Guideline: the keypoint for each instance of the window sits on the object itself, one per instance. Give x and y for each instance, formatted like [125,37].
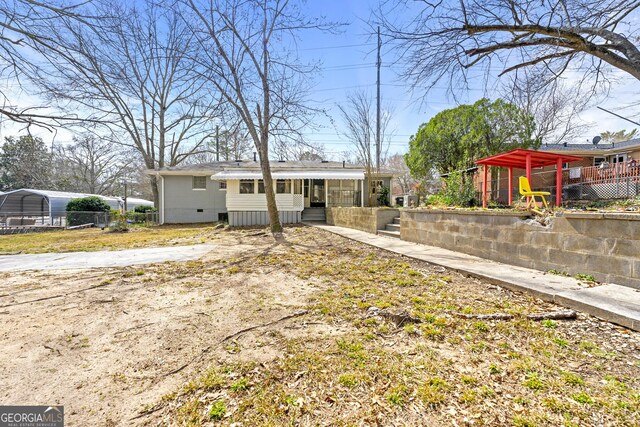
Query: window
[598,160]
[375,185]
[247,186]
[297,187]
[283,186]
[261,186]
[199,183]
[223,185]
[306,188]
[618,158]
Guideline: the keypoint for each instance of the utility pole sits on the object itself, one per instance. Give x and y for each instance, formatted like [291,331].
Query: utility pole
[378,148]
[217,143]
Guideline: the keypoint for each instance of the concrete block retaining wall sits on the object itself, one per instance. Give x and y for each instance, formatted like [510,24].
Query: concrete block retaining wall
[363,219]
[605,245]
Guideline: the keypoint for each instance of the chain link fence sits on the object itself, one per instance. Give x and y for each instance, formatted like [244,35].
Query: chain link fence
[45,220]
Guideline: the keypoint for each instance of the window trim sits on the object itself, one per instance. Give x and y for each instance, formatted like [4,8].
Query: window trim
[247,181]
[284,182]
[222,185]
[193,182]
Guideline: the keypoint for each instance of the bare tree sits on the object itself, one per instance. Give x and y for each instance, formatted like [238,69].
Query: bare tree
[26,42]
[444,40]
[248,46]
[554,106]
[231,144]
[359,121]
[299,150]
[403,179]
[140,78]
[89,165]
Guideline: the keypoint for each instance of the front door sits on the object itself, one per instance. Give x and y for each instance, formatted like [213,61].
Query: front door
[317,193]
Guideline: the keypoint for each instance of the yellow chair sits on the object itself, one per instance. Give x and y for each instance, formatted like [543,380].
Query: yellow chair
[525,190]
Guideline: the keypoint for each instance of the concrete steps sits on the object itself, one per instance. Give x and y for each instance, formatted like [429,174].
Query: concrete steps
[392,229]
[314,214]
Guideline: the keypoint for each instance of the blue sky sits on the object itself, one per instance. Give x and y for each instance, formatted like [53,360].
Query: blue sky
[348,64]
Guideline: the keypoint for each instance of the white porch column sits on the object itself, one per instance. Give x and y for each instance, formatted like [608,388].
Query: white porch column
[326,193]
[362,193]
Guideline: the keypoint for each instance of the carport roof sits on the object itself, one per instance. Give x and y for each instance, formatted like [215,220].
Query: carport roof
[518,159]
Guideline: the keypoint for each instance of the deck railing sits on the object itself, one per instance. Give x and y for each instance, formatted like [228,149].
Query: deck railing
[604,175]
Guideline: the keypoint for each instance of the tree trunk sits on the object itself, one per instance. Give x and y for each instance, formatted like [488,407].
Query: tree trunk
[272,207]
[156,192]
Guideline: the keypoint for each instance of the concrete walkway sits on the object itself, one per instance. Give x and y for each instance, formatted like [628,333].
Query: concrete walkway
[615,303]
[81,260]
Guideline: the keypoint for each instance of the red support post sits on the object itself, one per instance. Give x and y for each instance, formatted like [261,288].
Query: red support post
[510,186]
[558,182]
[528,172]
[484,187]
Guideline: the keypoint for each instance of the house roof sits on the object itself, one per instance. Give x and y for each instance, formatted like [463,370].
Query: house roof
[300,174]
[592,148]
[306,167]
[518,159]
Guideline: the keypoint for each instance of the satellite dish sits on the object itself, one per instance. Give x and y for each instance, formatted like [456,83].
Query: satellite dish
[596,139]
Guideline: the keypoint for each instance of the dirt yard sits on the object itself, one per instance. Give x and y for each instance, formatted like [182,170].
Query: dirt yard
[266,333]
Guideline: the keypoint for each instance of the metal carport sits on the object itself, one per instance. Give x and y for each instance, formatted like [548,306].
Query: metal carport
[43,203]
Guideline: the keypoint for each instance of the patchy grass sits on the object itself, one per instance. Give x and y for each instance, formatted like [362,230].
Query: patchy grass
[94,239]
[445,370]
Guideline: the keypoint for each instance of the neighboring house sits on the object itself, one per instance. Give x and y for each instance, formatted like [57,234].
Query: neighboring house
[606,171]
[235,191]
[596,154]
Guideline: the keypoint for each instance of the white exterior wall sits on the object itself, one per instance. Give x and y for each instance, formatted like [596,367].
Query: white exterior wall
[258,202]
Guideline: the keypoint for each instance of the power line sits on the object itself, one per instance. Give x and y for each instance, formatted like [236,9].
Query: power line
[338,46]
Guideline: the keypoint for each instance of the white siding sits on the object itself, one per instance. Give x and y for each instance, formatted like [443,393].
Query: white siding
[258,202]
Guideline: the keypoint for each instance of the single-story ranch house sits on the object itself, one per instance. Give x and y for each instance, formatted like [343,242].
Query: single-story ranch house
[234,190]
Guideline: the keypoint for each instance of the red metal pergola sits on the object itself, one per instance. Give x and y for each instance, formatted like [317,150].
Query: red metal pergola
[525,159]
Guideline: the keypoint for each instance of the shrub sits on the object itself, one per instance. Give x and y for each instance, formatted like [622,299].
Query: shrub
[88,204]
[144,209]
[459,190]
[78,210]
[383,196]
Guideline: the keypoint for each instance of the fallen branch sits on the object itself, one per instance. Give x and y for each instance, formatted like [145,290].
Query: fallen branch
[147,412]
[56,296]
[251,328]
[175,371]
[492,316]
[133,328]
[104,301]
[53,349]
[556,315]
[400,319]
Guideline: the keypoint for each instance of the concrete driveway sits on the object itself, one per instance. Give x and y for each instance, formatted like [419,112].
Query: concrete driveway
[121,258]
